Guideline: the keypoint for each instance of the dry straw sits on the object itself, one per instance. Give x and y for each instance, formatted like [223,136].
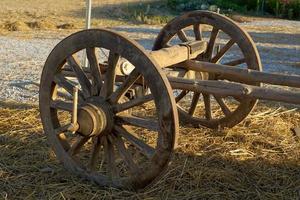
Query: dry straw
[258,159]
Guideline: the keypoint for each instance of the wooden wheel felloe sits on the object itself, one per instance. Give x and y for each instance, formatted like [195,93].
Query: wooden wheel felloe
[194,26]
[108,145]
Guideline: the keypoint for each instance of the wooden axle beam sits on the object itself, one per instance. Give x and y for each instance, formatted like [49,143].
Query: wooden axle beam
[239,90]
[164,57]
[178,53]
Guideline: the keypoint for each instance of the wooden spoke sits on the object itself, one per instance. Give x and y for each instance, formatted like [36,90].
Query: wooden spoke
[125,154]
[67,71]
[67,96]
[222,52]
[95,70]
[81,76]
[182,36]
[223,106]
[197,31]
[110,157]
[105,54]
[194,103]
[211,43]
[236,62]
[132,103]
[206,98]
[129,81]
[62,129]
[145,149]
[149,124]
[77,145]
[109,80]
[167,45]
[63,82]
[181,95]
[95,153]
[60,80]
[61,105]
[63,140]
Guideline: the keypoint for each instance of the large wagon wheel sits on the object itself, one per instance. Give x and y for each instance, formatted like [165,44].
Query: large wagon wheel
[109,146]
[244,54]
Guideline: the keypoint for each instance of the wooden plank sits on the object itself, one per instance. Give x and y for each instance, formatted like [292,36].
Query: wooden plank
[244,75]
[225,88]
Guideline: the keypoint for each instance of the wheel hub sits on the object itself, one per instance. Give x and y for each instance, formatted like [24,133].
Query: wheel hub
[95,118]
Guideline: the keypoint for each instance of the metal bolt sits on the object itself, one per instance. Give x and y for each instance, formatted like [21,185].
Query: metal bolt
[246,91]
[74,125]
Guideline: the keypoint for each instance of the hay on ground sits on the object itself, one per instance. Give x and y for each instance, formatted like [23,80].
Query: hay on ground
[258,159]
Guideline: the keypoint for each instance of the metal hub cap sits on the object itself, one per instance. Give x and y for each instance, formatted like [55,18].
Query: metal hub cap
[95,119]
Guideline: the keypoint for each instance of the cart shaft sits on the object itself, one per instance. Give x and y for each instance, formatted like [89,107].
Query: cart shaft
[238,90]
[244,75]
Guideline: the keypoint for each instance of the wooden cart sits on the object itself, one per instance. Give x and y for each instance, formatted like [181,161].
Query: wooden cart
[116,122]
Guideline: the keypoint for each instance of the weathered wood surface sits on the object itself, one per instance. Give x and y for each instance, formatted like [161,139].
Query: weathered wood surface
[224,88]
[243,75]
[176,54]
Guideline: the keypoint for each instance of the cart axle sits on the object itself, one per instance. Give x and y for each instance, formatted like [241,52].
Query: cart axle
[95,118]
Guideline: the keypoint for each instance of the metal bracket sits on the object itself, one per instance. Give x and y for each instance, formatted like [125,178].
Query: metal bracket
[74,126]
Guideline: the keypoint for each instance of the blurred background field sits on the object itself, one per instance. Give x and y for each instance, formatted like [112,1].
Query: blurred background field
[18,15]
